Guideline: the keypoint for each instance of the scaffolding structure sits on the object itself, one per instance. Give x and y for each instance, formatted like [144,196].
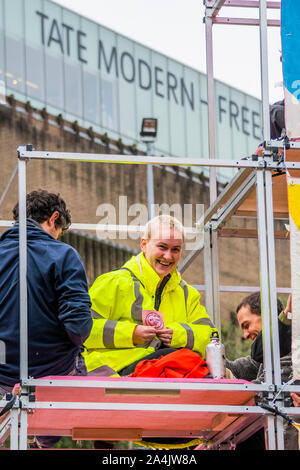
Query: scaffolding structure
[255,174]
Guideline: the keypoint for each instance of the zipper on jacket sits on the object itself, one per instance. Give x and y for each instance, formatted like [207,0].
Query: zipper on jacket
[159,291]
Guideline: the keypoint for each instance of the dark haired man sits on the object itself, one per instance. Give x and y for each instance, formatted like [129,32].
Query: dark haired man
[59,316]
[48,209]
[250,321]
[251,367]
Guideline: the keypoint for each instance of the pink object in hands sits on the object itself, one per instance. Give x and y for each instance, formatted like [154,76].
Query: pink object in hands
[153,318]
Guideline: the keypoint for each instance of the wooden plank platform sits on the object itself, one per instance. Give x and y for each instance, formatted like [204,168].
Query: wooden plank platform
[127,423]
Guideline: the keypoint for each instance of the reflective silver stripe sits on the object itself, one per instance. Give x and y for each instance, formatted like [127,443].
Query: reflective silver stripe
[204,321]
[185,290]
[155,343]
[137,306]
[138,260]
[102,371]
[109,333]
[96,314]
[190,336]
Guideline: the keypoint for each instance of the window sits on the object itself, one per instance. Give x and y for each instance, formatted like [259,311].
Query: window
[177,103]
[14,46]
[160,102]
[109,72]
[91,92]
[15,65]
[192,118]
[35,73]
[143,87]
[73,89]
[34,52]
[54,81]
[91,79]
[127,84]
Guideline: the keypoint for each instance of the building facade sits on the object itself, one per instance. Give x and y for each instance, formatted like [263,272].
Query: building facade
[81,70]
[66,82]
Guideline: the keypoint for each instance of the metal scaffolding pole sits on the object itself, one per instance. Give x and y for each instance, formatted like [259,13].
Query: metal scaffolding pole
[150,184]
[26,155]
[22,443]
[264,204]
[23,270]
[264,68]
[212,299]
[265,310]
[14,429]
[269,305]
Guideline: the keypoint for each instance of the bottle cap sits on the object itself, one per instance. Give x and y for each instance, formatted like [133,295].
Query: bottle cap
[214,335]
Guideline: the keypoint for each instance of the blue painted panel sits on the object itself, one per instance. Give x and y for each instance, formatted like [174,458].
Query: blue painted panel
[290,36]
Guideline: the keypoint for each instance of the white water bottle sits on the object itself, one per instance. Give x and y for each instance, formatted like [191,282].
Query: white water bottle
[215,357]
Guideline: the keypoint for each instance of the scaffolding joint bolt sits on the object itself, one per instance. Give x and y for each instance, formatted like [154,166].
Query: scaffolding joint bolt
[262,163]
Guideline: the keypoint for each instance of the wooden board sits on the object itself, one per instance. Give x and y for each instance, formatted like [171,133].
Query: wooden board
[124,424]
[280,200]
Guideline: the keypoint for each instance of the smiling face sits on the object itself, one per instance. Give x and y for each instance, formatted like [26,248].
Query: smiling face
[251,323]
[163,249]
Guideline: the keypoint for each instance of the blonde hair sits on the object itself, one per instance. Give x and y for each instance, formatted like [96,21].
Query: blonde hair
[163,220]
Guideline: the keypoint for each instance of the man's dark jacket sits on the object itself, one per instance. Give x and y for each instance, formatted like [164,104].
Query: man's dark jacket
[59,318]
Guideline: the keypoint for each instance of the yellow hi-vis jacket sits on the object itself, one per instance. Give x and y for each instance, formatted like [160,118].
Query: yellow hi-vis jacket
[118,298]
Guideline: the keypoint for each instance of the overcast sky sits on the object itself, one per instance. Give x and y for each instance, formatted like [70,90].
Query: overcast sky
[175,28]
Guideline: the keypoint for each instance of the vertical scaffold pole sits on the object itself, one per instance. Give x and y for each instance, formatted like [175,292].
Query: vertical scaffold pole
[23,293]
[264,275]
[211,251]
[273,299]
[23,270]
[14,425]
[211,270]
[264,283]
[270,303]
[211,105]
[263,25]
[150,184]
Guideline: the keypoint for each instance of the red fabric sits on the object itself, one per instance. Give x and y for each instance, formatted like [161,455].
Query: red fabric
[183,363]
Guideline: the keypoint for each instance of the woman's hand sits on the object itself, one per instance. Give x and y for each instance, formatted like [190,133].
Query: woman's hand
[143,334]
[165,336]
[296,399]
[288,308]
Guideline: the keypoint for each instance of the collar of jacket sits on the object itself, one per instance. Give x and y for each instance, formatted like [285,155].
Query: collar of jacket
[146,274]
[33,229]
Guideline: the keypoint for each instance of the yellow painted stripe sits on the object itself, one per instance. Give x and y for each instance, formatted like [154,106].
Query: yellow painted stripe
[294,200]
[297,426]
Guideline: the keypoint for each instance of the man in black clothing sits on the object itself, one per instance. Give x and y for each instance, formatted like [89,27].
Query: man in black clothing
[59,316]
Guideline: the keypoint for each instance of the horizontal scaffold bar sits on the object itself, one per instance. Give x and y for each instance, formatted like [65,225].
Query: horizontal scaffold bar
[214,6]
[244,21]
[152,160]
[146,385]
[149,407]
[193,408]
[250,4]
[103,228]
